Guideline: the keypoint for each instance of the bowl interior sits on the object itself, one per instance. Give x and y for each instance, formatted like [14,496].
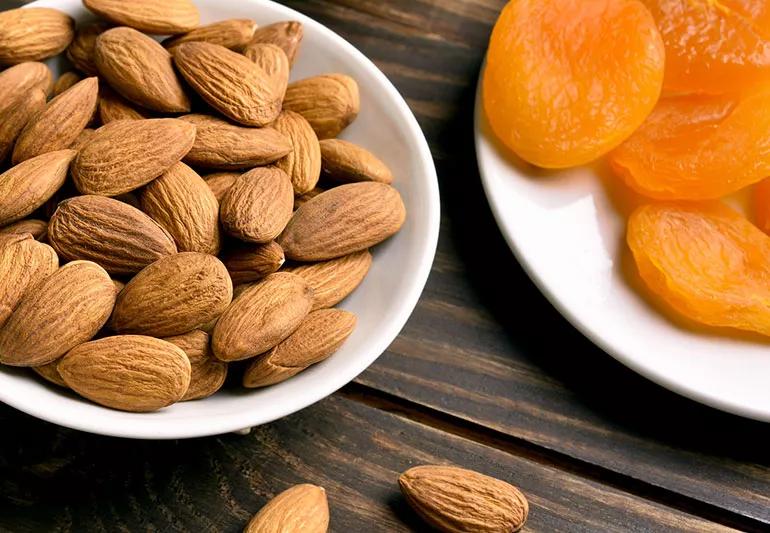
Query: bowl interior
[382,303]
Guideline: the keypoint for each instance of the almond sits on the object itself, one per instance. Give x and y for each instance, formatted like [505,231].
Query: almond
[258,205]
[232,33]
[208,372]
[21,79]
[317,337]
[286,35]
[333,280]
[128,372]
[149,16]
[114,107]
[273,61]
[23,264]
[119,237]
[65,81]
[221,144]
[181,202]
[80,52]
[37,228]
[303,163]
[15,114]
[220,183]
[30,184]
[50,373]
[343,220]
[57,314]
[140,69]
[229,82]
[345,162]
[252,262]
[126,154]
[33,34]
[81,140]
[329,102]
[261,317]
[301,200]
[174,295]
[457,500]
[60,123]
[119,286]
[299,509]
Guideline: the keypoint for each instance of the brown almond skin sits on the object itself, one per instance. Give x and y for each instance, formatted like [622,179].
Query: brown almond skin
[80,52]
[228,82]
[329,102]
[37,228]
[345,162]
[332,281]
[299,509]
[223,145]
[114,107]
[33,34]
[181,202]
[208,372]
[343,220]
[126,154]
[317,337]
[149,16]
[258,205]
[174,295]
[253,262]
[231,33]
[50,373]
[15,114]
[140,69]
[261,317]
[128,372]
[301,200]
[60,123]
[287,35]
[64,310]
[81,140]
[20,79]
[65,81]
[220,183]
[303,163]
[120,238]
[457,500]
[23,264]
[273,61]
[28,185]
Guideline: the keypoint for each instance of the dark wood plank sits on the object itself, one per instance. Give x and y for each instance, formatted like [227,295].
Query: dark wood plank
[483,344]
[61,480]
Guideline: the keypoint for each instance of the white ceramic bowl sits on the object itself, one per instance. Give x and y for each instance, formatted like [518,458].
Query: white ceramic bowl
[382,303]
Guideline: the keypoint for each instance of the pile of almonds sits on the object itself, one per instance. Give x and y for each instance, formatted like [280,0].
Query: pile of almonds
[153,194]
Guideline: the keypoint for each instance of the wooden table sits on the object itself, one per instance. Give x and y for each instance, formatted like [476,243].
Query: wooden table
[486,375]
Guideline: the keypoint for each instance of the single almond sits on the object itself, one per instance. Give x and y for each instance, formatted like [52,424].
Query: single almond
[345,162]
[303,163]
[140,69]
[128,372]
[174,295]
[111,233]
[114,107]
[273,61]
[229,82]
[329,102]
[50,373]
[287,35]
[80,141]
[126,154]
[343,220]
[60,123]
[21,79]
[150,16]
[231,33]
[299,509]
[220,183]
[30,184]
[80,52]
[224,145]
[252,262]
[23,264]
[33,34]
[181,202]
[317,337]
[455,499]
[15,114]
[301,200]
[37,228]
[262,316]
[55,315]
[332,281]
[258,205]
[208,372]
[65,81]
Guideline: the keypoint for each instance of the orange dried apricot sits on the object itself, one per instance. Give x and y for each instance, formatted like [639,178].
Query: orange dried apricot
[706,261]
[713,46]
[568,80]
[760,201]
[698,147]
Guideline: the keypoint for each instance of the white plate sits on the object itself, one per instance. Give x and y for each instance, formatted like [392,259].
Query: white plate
[568,232]
[382,303]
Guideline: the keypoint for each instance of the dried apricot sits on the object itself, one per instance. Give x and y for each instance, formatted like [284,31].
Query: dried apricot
[761,205]
[698,147]
[568,80]
[706,261]
[713,46]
